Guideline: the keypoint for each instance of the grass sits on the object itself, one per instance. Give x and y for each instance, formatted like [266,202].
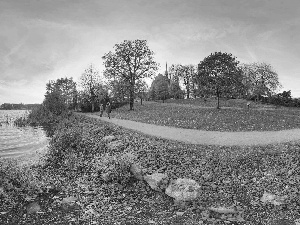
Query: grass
[228,176]
[193,116]
[224,102]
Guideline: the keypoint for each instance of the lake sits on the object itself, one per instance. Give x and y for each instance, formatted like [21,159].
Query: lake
[19,141]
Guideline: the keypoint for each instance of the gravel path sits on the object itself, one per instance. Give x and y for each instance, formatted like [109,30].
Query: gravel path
[207,137]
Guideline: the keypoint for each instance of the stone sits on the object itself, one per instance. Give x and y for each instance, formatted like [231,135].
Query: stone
[69,200]
[137,171]
[108,138]
[183,189]
[273,199]
[154,180]
[69,203]
[33,207]
[115,145]
[107,177]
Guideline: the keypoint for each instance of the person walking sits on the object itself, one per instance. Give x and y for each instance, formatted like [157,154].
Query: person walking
[108,109]
[101,110]
[248,105]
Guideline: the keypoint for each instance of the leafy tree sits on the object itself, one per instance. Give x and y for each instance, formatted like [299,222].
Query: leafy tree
[175,90]
[130,61]
[119,89]
[65,88]
[187,74]
[160,87]
[219,73]
[54,103]
[259,79]
[141,89]
[60,96]
[91,84]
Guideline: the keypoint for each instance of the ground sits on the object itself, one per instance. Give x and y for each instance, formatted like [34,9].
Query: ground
[236,175]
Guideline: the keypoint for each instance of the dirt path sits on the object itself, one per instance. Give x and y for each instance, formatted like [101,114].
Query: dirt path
[207,137]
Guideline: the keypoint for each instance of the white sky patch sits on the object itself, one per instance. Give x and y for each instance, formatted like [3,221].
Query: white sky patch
[43,40]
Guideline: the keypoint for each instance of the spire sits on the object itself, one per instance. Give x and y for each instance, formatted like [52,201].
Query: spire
[166,72]
[166,67]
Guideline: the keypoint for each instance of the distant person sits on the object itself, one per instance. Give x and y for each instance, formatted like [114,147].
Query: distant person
[101,110]
[248,105]
[108,109]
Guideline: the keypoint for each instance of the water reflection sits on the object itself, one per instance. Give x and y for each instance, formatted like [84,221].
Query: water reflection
[16,141]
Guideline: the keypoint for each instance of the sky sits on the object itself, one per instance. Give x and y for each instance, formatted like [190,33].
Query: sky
[42,40]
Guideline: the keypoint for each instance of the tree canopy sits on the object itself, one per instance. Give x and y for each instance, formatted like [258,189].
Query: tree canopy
[91,84]
[260,79]
[160,88]
[219,74]
[130,61]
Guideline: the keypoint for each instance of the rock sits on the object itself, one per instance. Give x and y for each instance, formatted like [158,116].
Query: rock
[154,180]
[183,189]
[68,203]
[223,210]
[106,176]
[115,145]
[179,213]
[137,171]
[33,207]
[273,199]
[108,138]
[69,200]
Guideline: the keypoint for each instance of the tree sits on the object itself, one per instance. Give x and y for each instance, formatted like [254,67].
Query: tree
[141,89]
[66,88]
[131,61]
[160,87]
[259,79]
[174,88]
[118,89]
[90,82]
[219,73]
[64,91]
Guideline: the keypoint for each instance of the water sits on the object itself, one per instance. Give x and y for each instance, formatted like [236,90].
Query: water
[19,141]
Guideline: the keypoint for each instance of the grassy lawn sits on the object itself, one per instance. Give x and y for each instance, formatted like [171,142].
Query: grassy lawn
[228,176]
[212,102]
[226,119]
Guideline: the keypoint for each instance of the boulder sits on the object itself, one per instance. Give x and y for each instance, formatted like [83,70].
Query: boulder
[106,176]
[154,180]
[115,145]
[183,189]
[69,203]
[33,207]
[137,171]
[273,199]
[108,138]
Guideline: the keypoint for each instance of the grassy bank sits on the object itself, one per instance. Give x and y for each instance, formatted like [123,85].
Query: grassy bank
[70,171]
[226,119]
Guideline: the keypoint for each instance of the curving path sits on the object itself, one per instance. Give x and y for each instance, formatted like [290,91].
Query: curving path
[192,136]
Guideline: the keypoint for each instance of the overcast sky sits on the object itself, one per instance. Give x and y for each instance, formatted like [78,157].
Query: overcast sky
[41,40]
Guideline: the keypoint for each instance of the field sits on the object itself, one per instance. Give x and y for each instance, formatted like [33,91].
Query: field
[197,114]
[229,176]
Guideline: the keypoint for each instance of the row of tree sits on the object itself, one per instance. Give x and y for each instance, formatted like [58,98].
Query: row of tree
[219,75]
[21,106]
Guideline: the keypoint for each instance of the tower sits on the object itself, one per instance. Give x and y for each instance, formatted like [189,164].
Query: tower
[166,72]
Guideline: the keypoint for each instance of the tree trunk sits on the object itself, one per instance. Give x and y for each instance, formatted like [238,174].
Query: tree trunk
[187,93]
[93,106]
[141,101]
[218,96]
[131,96]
